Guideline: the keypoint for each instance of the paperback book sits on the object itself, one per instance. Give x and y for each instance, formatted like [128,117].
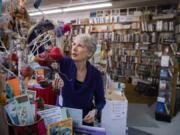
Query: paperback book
[61,127]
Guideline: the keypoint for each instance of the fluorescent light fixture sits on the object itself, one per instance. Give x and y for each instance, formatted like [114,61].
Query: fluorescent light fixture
[52,11]
[85,7]
[35,13]
[75,8]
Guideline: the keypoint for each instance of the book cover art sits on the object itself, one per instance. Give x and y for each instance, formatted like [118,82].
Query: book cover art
[61,128]
[24,110]
[31,95]
[165,61]
[11,110]
[52,115]
[164,73]
[163,85]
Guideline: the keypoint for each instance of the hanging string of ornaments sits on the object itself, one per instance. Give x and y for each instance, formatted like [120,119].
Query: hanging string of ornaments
[23,44]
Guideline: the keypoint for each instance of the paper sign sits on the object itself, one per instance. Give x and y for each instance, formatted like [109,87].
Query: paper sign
[116,110]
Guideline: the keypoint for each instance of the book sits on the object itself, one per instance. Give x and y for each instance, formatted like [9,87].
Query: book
[165,61]
[64,127]
[31,95]
[52,115]
[162,84]
[76,115]
[164,73]
[11,110]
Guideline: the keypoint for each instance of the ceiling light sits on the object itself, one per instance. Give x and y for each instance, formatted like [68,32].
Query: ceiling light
[35,13]
[52,11]
[86,7]
[75,8]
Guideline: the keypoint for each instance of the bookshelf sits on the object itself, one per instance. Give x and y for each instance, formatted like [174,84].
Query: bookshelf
[137,39]
[135,36]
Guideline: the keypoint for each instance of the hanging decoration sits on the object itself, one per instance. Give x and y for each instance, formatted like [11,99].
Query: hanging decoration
[37,3]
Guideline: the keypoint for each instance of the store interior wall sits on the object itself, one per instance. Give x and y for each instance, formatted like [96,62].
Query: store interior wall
[68,16]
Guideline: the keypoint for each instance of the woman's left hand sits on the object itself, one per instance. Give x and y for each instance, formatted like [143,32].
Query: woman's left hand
[89,118]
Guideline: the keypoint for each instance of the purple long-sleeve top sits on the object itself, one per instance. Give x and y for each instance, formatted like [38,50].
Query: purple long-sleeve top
[87,95]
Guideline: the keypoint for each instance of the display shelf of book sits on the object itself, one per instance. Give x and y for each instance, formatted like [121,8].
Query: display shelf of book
[167,89]
[140,33]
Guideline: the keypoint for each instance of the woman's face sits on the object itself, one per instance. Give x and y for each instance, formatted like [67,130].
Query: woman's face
[79,51]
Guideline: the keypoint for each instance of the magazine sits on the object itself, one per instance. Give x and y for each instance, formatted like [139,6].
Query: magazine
[61,128]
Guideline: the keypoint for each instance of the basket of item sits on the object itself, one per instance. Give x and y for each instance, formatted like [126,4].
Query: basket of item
[36,128]
[21,118]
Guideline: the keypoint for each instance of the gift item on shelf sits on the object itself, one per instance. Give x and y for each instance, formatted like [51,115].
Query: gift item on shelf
[21,117]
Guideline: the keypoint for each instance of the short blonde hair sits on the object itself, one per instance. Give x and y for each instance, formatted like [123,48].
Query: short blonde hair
[87,40]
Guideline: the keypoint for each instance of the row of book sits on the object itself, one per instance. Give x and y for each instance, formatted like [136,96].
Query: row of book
[158,26]
[166,38]
[106,19]
[165,26]
[136,37]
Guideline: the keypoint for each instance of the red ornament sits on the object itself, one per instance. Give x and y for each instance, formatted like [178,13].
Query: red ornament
[13,57]
[55,53]
[66,28]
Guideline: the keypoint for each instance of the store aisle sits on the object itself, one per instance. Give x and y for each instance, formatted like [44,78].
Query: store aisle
[141,117]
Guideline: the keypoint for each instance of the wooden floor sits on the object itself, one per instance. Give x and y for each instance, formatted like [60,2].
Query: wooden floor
[134,97]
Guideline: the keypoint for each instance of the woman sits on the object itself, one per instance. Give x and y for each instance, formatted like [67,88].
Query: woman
[83,85]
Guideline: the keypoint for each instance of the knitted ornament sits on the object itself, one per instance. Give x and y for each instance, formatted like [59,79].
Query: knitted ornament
[66,28]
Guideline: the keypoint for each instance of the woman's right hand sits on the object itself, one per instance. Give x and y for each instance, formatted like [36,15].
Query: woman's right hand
[57,83]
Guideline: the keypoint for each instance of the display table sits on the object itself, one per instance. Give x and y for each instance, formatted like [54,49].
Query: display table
[47,94]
